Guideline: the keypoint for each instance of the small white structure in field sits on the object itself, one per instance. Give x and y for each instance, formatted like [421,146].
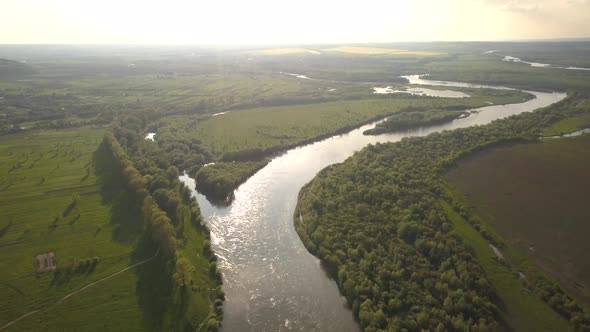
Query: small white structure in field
[46,262]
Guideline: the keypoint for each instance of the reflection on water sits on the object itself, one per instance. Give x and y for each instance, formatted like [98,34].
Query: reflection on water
[422,92]
[420,80]
[508,58]
[297,75]
[270,280]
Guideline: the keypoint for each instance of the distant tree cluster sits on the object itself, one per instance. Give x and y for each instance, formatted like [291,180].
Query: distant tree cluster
[75,267]
[413,117]
[376,223]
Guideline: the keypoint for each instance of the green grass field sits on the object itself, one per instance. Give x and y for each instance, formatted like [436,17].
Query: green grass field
[41,174]
[534,195]
[568,125]
[41,171]
[262,128]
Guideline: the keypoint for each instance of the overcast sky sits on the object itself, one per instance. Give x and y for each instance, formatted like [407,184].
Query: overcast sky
[287,22]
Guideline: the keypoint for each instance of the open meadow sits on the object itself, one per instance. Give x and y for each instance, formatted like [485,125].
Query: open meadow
[51,202]
[60,194]
[283,126]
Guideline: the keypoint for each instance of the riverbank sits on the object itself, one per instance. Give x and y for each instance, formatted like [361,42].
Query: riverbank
[375,210]
[219,188]
[268,273]
[261,132]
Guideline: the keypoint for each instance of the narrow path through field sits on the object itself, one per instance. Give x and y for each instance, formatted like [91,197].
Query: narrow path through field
[9,243]
[79,290]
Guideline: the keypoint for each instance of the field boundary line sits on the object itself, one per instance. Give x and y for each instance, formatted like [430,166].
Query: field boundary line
[79,290]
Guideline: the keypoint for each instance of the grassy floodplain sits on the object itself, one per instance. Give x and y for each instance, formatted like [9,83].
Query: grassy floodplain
[85,99]
[534,195]
[55,198]
[271,127]
[568,125]
[41,173]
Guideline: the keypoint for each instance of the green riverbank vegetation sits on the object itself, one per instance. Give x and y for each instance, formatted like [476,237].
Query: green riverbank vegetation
[219,180]
[385,225]
[173,224]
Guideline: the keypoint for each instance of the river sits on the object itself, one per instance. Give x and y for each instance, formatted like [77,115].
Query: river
[271,282]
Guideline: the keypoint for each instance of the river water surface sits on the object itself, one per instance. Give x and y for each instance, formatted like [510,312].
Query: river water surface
[271,282]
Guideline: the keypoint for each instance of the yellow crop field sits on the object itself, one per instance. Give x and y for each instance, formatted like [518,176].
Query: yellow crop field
[379,51]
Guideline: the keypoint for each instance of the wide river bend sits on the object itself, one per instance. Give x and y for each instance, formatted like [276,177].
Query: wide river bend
[271,282]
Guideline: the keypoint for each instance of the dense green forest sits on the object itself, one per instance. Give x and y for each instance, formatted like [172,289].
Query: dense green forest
[378,224]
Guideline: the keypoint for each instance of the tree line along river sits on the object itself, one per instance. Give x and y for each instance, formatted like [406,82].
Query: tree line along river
[271,282]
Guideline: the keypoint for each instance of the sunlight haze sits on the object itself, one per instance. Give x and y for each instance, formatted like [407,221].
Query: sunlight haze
[287,22]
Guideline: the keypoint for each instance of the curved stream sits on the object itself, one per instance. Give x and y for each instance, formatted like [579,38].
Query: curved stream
[270,280]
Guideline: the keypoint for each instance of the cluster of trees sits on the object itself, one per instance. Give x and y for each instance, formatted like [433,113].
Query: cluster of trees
[79,266]
[376,223]
[153,157]
[561,302]
[150,171]
[414,117]
[219,180]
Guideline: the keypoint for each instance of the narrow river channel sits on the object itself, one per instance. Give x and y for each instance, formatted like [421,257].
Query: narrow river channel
[270,280]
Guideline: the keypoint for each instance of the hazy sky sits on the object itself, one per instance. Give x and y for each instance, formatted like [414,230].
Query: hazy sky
[284,22]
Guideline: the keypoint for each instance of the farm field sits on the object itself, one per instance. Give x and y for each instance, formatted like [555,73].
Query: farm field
[379,51]
[534,196]
[521,310]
